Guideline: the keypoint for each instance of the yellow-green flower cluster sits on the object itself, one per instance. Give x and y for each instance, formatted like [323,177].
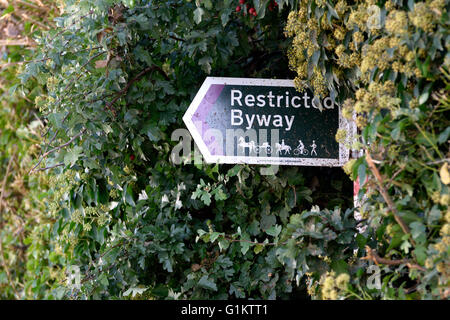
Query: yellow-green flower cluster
[329,291]
[64,183]
[341,7]
[358,18]
[102,219]
[91,211]
[348,167]
[114,194]
[77,216]
[304,30]
[376,55]
[339,33]
[318,82]
[87,227]
[333,287]
[97,214]
[438,6]
[423,17]
[389,5]
[339,50]
[52,82]
[321,3]
[397,22]
[341,135]
[377,96]
[342,281]
[358,37]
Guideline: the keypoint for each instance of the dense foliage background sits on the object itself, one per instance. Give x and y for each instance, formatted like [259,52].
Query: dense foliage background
[115,78]
[390,66]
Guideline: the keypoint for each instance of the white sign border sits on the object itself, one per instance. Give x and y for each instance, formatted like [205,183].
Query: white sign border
[187,119]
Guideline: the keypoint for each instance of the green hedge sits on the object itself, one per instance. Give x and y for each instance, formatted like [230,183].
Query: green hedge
[119,76]
[388,63]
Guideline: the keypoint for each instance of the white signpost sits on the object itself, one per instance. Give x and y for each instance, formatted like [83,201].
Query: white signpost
[264,121]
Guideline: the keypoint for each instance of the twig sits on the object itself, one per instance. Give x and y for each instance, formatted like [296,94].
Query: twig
[67,115]
[72,24]
[176,38]
[25,16]
[425,135]
[83,66]
[18,42]
[109,105]
[373,256]
[391,180]
[50,167]
[9,64]
[58,148]
[385,195]
[439,161]
[31,5]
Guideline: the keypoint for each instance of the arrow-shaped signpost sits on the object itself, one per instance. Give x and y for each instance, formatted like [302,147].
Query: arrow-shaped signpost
[264,121]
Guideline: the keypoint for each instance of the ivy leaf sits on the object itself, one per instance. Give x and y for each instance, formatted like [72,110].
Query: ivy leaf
[421,254]
[128,196]
[362,174]
[424,97]
[207,284]
[332,11]
[72,156]
[245,246]
[418,230]
[225,17]
[198,13]
[205,63]
[206,198]
[339,266]
[134,291]
[444,136]
[405,246]
[361,241]
[274,231]
[258,248]
[223,244]
[208,4]
[152,131]
[214,236]
[234,171]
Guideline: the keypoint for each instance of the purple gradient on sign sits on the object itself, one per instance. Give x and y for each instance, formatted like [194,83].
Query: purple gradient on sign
[200,115]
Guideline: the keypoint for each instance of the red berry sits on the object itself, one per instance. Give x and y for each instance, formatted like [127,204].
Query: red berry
[241,1]
[238,8]
[248,6]
[254,13]
[275,4]
[251,10]
[132,157]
